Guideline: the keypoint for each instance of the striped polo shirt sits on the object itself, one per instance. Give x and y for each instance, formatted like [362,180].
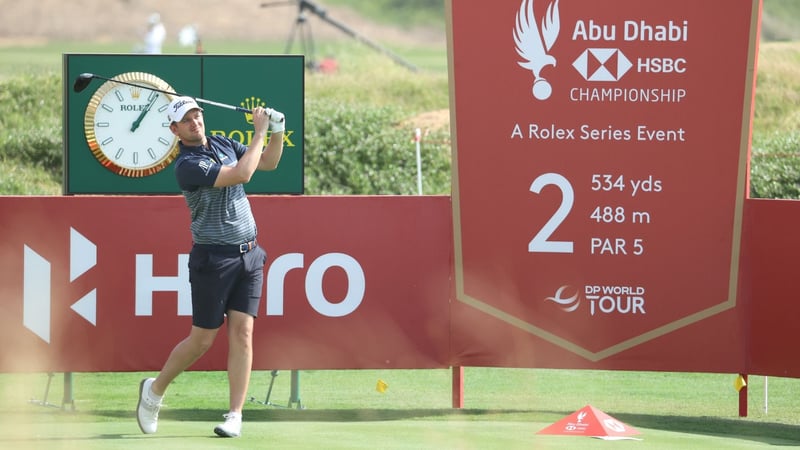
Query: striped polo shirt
[220,216]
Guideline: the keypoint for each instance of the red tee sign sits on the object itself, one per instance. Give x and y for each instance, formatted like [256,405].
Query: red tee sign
[601,162]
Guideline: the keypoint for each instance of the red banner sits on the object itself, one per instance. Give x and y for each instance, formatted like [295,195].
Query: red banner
[101,283]
[769,272]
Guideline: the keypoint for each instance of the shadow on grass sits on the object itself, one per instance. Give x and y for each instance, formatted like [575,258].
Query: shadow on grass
[55,440]
[281,414]
[765,432]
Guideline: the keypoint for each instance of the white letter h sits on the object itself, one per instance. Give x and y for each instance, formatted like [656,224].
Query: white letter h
[147,283]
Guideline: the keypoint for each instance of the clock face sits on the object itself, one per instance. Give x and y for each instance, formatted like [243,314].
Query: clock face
[127,128]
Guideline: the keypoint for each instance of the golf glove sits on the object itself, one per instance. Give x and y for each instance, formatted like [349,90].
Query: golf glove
[277,122]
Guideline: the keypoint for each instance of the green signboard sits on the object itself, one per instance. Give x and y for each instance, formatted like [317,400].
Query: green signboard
[117,141]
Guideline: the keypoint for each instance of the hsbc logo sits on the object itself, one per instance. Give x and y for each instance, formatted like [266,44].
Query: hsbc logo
[37,289]
[602,64]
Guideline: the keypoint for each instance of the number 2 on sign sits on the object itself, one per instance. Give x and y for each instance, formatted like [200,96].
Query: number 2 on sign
[541,243]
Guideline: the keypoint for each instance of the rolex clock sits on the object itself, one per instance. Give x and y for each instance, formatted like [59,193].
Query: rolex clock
[126,126]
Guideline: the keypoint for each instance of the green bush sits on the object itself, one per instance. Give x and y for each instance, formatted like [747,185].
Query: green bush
[775,166]
[359,149]
[30,121]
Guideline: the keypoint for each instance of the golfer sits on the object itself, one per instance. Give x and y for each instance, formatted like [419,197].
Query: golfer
[226,264]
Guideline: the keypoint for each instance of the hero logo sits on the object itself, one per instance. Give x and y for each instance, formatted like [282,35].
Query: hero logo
[603,299]
[37,292]
[147,283]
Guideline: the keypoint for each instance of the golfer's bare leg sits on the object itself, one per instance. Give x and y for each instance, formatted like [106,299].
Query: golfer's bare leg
[240,357]
[184,355]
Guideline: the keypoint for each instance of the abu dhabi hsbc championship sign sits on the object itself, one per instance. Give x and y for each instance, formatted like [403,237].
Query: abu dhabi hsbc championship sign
[600,155]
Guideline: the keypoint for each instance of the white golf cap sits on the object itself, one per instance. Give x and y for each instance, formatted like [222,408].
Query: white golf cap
[179,107]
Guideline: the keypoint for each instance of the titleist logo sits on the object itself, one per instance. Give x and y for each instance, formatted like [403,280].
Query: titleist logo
[180,104]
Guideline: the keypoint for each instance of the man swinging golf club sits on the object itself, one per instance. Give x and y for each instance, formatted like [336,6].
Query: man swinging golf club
[226,264]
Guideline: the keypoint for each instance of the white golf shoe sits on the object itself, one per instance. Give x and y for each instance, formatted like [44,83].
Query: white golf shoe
[232,426]
[147,409]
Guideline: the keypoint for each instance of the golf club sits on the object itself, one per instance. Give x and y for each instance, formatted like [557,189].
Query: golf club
[84,79]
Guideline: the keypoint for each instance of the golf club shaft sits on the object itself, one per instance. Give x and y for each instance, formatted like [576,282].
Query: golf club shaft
[199,100]
[223,105]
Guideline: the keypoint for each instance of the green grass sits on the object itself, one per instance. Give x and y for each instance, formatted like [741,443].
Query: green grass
[403,13]
[504,408]
[778,88]
[780,20]
[45,58]
[23,179]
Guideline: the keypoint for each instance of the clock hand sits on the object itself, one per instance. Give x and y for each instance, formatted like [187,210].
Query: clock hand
[144,112]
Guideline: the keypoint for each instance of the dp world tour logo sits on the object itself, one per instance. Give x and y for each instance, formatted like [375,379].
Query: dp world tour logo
[568,304]
[606,299]
[534,42]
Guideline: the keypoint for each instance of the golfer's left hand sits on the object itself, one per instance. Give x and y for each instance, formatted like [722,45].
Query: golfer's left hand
[277,121]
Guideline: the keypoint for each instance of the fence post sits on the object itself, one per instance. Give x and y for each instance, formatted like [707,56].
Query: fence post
[458,387]
[743,398]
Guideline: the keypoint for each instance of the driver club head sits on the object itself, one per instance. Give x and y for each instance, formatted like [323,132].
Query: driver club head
[82,81]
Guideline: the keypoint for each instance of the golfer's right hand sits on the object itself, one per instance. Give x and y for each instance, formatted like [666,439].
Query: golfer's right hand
[260,119]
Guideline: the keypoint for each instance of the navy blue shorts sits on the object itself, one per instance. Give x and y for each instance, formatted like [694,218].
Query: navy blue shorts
[223,281]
